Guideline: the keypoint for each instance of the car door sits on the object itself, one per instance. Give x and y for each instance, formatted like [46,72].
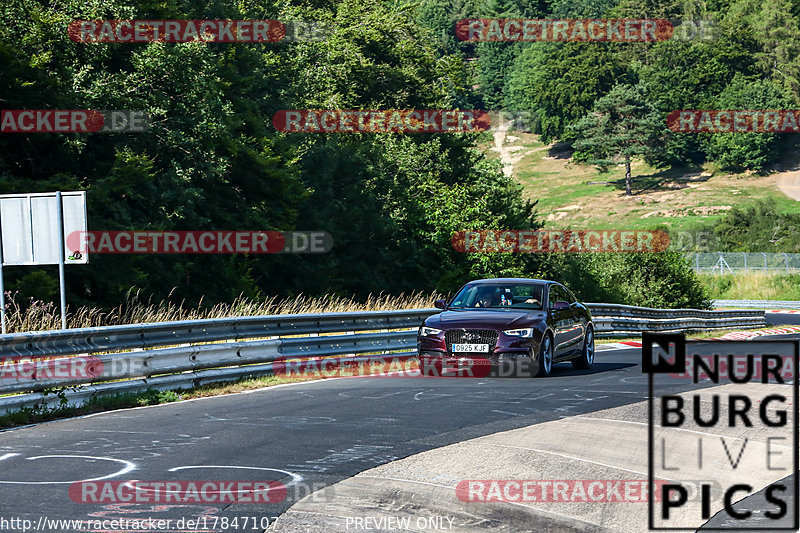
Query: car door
[562,320]
[579,323]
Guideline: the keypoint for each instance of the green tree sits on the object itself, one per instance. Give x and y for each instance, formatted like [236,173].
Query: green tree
[777,30]
[662,280]
[748,151]
[559,82]
[211,159]
[761,227]
[623,125]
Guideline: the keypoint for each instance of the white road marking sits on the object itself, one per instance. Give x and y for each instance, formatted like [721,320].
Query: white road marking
[296,478]
[346,395]
[128,467]
[435,395]
[120,431]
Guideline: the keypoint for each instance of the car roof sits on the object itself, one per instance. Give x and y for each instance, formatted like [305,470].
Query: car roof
[512,280]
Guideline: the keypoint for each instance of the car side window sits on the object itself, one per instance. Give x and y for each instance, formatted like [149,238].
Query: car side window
[557,294]
[528,296]
[570,297]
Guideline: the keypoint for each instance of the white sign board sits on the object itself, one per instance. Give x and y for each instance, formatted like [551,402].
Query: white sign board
[30,228]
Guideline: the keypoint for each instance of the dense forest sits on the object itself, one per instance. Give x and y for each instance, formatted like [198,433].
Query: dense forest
[212,159]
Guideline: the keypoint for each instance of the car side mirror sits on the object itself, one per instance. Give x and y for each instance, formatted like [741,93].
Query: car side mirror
[559,305]
[440,304]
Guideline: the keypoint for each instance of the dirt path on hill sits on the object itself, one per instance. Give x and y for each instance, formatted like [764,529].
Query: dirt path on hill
[509,154]
[789,183]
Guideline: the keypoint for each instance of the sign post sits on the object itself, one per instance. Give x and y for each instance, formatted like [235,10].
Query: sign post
[61,283]
[33,231]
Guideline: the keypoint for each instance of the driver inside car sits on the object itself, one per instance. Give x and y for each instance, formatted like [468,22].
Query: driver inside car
[485,298]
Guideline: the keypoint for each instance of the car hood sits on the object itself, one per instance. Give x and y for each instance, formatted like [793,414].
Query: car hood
[498,319]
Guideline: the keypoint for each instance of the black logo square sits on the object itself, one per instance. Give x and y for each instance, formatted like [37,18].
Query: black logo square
[663,340]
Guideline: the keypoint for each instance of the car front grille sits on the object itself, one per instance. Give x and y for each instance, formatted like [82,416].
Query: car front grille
[470,336]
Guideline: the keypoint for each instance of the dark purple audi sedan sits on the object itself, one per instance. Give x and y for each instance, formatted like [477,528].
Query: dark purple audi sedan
[523,324]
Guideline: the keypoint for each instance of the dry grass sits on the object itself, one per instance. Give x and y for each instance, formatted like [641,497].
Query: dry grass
[40,316]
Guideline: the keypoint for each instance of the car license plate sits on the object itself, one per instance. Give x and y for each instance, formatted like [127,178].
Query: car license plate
[470,348]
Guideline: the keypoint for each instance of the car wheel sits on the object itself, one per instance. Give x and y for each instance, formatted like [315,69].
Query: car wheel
[545,358]
[587,355]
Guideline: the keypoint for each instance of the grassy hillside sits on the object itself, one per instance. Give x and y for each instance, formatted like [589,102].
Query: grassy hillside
[568,198]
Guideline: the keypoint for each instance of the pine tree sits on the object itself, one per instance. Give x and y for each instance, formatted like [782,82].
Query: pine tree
[623,125]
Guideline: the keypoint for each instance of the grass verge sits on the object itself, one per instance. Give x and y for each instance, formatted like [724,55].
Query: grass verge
[752,286]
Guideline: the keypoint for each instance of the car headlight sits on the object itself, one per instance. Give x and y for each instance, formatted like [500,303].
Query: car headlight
[525,333]
[425,331]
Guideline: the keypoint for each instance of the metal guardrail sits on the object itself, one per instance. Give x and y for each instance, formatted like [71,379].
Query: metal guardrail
[618,310]
[758,304]
[615,320]
[132,336]
[185,354]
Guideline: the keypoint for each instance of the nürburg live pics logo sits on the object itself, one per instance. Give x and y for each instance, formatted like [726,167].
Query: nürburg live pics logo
[725,413]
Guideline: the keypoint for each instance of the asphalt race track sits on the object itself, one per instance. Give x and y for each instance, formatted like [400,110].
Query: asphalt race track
[782,318]
[305,435]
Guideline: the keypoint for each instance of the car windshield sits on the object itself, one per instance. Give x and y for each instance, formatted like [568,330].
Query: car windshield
[500,296]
